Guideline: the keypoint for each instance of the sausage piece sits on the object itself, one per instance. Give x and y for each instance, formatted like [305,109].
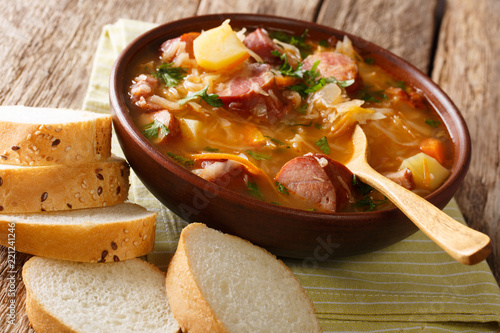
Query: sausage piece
[336,65]
[170,47]
[253,91]
[166,118]
[319,180]
[260,42]
[402,177]
[225,173]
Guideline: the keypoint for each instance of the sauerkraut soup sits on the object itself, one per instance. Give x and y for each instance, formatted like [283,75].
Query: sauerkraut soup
[271,115]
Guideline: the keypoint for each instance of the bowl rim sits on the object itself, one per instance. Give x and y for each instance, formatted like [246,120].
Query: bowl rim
[120,112]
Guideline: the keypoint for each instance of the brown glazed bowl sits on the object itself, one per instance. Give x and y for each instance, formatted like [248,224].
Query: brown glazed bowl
[283,231]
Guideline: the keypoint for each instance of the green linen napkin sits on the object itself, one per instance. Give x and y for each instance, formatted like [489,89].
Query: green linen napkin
[412,285]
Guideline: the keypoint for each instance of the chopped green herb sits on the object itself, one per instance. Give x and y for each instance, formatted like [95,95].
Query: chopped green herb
[275,203]
[369,204]
[323,145]
[360,186]
[318,125]
[211,149]
[342,83]
[306,125]
[401,84]
[369,61]
[372,96]
[258,156]
[210,99]
[433,123]
[302,109]
[153,129]
[282,188]
[254,190]
[276,141]
[170,75]
[298,41]
[181,160]
[323,42]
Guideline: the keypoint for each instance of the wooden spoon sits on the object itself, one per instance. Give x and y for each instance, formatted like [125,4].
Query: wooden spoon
[464,244]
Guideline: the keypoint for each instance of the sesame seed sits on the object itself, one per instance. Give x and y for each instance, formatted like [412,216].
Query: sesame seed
[126,239]
[18,161]
[4,157]
[58,130]
[136,243]
[78,157]
[35,148]
[104,204]
[81,200]
[125,231]
[114,246]
[84,185]
[48,127]
[28,137]
[37,133]
[53,148]
[92,191]
[67,148]
[30,151]
[77,195]
[144,237]
[41,127]
[94,196]
[32,163]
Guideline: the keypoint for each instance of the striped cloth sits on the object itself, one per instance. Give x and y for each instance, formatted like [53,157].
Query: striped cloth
[410,286]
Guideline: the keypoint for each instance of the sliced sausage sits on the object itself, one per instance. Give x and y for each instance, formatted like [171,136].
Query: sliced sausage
[226,173]
[166,118]
[402,177]
[336,65]
[319,180]
[170,47]
[253,91]
[260,42]
[400,95]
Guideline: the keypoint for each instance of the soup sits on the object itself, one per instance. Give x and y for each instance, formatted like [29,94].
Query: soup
[271,116]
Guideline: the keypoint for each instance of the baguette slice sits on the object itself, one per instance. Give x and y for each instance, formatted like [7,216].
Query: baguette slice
[123,297]
[25,189]
[221,283]
[45,136]
[105,234]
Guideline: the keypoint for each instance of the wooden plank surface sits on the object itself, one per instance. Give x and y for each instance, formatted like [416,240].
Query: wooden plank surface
[467,68]
[47,47]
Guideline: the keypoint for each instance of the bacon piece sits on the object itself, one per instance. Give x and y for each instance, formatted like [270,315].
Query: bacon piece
[225,173]
[170,48]
[336,65]
[402,177]
[318,180]
[166,118]
[143,88]
[413,98]
[260,42]
[253,91]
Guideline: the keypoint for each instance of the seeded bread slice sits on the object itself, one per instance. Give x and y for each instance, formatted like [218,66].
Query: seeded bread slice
[44,136]
[221,283]
[25,189]
[106,234]
[123,297]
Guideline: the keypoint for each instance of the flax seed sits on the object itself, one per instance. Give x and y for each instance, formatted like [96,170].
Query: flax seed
[114,246]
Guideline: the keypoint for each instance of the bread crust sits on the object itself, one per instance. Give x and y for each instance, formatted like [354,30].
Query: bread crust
[63,187]
[86,242]
[87,140]
[188,304]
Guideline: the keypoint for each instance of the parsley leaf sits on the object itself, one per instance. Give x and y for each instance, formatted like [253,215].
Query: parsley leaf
[298,41]
[210,99]
[153,129]
[371,96]
[360,186]
[433,123]
[254,190]
[401,84]
[302,109]
[207,148]
[323,42]
[258,156]
[369,61]
[181,160]
[282,188]
[342,83]
[369,204]
[170,75]
[323,145]
[276,141]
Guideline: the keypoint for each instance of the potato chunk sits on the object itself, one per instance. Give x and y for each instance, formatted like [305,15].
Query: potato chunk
[219,48]
[427,172]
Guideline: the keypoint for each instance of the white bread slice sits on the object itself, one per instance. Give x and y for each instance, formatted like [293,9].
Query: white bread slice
[128,296]
[25,189]
[105,234]
[221,283]
[45,136]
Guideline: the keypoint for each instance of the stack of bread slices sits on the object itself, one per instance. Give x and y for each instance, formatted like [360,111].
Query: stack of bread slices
[63,196]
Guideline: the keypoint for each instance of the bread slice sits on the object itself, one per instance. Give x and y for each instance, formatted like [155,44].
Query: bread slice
[25,189]
[221,283]
[128,296]
[45,136]
[105,234]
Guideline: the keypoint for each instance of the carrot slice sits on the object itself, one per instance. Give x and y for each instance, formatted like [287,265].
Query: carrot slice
[252,168]
[434,148]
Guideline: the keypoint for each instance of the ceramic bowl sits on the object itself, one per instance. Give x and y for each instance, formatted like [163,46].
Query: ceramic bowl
[288,232]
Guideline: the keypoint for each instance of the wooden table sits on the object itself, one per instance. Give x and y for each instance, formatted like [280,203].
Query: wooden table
[47,47]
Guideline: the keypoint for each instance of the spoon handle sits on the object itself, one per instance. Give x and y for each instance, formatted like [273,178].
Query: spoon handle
[464,244]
